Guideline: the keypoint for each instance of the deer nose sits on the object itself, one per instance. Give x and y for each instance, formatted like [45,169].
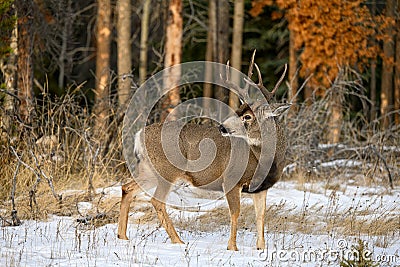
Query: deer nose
[222,129]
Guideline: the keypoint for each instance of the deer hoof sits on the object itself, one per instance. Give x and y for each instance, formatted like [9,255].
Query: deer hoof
[260,246]
[177,241]
[123,237]
[232,247]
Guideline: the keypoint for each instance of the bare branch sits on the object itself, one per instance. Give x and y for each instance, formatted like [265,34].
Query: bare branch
[49,179]
[32,192]
[15,221]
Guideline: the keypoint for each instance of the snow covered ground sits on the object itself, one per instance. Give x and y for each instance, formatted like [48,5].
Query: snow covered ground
[62,241]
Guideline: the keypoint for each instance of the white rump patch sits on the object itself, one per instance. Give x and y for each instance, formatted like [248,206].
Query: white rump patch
[138,147]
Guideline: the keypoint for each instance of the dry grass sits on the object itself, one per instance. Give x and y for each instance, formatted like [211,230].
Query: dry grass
[283,219]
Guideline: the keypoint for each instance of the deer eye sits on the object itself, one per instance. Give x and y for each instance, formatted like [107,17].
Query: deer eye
[247,117]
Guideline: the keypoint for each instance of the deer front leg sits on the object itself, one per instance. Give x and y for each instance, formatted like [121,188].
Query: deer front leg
[127,192]
[259,200]
[233,198]
[158,202]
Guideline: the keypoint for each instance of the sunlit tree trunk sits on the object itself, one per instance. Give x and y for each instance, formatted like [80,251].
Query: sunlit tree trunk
[173,50]
[124,50]
[143,41]
[221,42]
[102,66]
[9,72]
[25,59]
[336,116]
[237,41]
[335,119]
[387,68]
[308,97]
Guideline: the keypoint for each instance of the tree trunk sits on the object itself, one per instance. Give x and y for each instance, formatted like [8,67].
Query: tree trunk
[292,73]
[67,29]
[237,42]
[397,72]
[124,51]
[308,94]
[102,66]
[222,44]
[373,110]
[335,119]
[143,41]
[208,87]
[387,68]
[9,72]
[173,50]
[24,59]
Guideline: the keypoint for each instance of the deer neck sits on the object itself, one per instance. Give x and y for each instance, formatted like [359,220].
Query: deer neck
[256,149]
[257,143]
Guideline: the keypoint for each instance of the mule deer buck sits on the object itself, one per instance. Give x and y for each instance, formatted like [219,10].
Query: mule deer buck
[243,131]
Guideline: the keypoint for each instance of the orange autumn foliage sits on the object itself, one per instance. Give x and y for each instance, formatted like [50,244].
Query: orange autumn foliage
[328,34]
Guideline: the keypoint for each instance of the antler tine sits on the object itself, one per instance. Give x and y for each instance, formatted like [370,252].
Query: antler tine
[227,71]
[267,94]
[250,73]
[280,80]
[245,91]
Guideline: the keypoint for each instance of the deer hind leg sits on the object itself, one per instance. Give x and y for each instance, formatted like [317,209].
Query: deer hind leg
[158,202]
[233,198]
[259,200]
[128,190]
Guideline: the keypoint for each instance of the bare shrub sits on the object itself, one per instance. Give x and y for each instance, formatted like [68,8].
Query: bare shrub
[364,148]
[58,152]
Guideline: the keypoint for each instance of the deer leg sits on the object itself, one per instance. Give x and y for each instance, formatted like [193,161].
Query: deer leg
[233,198]
[128,191]
[259,200]
[158,202]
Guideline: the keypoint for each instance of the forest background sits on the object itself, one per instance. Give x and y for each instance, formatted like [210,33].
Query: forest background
[68,69]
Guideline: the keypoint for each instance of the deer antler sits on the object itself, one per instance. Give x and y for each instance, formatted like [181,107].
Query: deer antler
[267,94]
[242,92]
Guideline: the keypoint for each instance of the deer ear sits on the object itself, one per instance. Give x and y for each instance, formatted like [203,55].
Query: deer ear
[281,109]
